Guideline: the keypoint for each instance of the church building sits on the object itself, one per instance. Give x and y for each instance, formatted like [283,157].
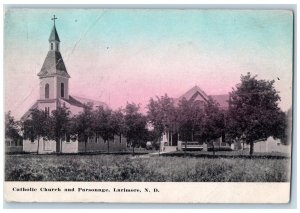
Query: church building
[54,92]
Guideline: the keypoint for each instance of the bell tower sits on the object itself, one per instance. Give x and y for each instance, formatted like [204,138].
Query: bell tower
[54,78]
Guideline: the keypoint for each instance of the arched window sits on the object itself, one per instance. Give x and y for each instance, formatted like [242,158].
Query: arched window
[57,47]
[51,46]
[62,90]
[47,91]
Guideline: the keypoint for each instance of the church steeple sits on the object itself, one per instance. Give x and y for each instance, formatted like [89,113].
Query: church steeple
[54,78]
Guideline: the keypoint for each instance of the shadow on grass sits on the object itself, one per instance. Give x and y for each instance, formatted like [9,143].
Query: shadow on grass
[227,155]
[80,153]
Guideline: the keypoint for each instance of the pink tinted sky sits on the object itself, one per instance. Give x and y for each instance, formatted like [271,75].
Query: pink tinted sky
[118,56]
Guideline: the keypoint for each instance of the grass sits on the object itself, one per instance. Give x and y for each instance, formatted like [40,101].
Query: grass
[157,169]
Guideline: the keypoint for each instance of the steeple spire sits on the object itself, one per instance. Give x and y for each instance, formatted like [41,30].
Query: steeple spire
[54,35]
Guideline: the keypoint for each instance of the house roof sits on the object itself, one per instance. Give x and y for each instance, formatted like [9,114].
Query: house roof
[192,93]
[53,65]
[54,35]
[222,100]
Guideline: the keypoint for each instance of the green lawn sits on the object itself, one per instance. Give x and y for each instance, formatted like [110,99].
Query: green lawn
[142,168]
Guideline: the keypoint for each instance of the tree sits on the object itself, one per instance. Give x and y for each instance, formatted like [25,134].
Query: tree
[118,123]
[287,125]
[135,123]
[60,125]
[189,119]
[83,124]
[102,124]
[12,127]
[162,115]
[36,126]
[253,110]
[213,124]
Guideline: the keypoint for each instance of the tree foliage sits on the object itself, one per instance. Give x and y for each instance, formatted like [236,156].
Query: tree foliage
[135,123]
[254,112]
[12,127]
[162,114]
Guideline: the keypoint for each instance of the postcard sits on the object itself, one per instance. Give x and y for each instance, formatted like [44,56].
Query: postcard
[148,105]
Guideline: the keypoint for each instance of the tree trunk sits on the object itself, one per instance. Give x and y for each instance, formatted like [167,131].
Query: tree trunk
[38,145]
[57,144]
[213,147]
[108,146]
[251,148]
[159,142]
[185,146]
[85,144]
[132,149]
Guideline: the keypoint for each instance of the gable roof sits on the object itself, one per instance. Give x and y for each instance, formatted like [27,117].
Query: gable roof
[54,35]
[192,93]
[53,65]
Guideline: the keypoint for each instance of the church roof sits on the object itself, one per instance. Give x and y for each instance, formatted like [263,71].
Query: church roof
[53,64]
[86,101]
[74,104]
[54,35]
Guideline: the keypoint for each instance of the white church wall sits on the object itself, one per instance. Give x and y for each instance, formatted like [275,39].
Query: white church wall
[45,146]
[69,147]
[43,104]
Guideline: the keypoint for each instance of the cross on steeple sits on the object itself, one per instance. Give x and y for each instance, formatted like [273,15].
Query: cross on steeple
[54,19]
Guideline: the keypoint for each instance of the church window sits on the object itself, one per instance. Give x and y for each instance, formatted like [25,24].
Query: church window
[47,91]
[62,90]
[51,46]
[57,47]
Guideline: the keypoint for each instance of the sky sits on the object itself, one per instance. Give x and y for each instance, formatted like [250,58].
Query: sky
[131,55]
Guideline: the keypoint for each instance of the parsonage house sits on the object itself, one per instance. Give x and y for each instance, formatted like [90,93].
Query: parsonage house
[171,140]
[54,93]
